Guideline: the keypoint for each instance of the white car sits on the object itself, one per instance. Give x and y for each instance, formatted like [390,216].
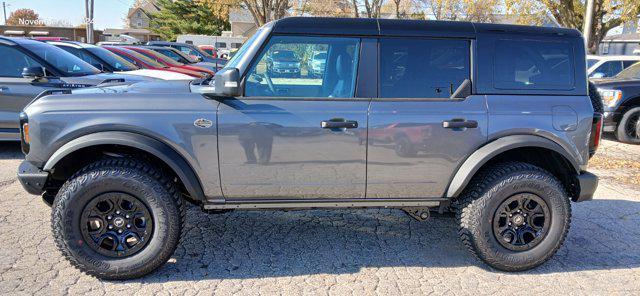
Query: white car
[608,65]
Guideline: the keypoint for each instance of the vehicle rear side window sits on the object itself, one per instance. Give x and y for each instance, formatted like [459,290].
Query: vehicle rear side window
[422,68]
[533,64]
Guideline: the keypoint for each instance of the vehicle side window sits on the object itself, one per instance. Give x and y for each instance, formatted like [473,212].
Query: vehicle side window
[609,69]
[533,64]
[81,54]
[13,61]
[422,68]
[627,64]
[189,51]
[130,60]
[221,45]
[284,68]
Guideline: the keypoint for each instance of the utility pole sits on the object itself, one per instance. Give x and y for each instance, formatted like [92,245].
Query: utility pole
[588,23]
[4,9]
[89,20]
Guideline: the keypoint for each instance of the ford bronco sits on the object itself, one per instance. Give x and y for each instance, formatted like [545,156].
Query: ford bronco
[502,114]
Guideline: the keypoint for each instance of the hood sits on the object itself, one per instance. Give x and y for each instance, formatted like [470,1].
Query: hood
[101,77]
[160,74]
[615,82]
[153,87]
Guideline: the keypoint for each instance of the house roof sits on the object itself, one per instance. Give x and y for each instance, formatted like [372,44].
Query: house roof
[147,8]
[632,37]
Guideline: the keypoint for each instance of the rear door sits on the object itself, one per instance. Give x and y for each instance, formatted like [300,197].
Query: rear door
[296,136]
[419,131]
[15,91]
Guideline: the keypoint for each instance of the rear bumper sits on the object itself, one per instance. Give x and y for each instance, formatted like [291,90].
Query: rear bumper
[32,178]
[588,185]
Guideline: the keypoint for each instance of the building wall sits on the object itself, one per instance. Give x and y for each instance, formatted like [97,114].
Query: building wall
[139,20]
[77,34]
[243,29]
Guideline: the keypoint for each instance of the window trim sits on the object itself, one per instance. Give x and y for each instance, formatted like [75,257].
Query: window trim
[472,70]
[266,42]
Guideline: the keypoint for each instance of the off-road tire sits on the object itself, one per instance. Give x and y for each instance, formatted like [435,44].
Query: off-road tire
[487,190]
[137,178]
[621,130]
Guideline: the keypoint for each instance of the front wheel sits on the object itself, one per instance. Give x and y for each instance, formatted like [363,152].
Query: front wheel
[514,216]
[628,130]
[117,219]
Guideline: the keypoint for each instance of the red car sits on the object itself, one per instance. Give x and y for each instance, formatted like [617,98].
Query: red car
[167,61]
[146,63]
[212,51]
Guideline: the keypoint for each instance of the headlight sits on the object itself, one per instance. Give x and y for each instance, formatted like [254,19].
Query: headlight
[610,97]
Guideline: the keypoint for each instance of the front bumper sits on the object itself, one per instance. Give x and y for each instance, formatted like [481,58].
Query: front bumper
[588,184]
[32,178]
[609,125]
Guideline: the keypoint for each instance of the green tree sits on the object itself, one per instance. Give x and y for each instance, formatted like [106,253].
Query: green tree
[187,17]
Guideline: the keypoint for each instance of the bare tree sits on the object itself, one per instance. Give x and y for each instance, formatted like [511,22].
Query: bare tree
[264,11]
[372,8]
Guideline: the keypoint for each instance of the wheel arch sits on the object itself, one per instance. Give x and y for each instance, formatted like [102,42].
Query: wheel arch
[170,159]
[535,150]
[625,106]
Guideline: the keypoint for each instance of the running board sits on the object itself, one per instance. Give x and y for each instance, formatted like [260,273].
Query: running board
[324,203]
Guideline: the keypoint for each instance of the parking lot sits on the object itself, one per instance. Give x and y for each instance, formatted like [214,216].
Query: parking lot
[341,252]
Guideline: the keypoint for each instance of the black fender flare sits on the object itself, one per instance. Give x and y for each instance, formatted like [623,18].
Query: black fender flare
[161,150]
[481,156]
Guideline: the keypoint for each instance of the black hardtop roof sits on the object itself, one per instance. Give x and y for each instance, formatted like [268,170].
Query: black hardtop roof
[395,27]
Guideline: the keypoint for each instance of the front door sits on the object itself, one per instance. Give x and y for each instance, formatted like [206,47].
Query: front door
[15,92]
[420,129]
[298,132]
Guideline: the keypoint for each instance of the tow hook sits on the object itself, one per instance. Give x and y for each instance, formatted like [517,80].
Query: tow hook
[418,213]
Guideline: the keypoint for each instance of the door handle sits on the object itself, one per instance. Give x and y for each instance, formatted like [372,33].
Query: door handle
[336,123]
[459,123]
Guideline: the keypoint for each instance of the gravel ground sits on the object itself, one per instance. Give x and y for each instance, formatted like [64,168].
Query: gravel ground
[340,252]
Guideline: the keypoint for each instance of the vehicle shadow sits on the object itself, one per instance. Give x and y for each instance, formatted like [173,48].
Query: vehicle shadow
[10,150]
[256,244]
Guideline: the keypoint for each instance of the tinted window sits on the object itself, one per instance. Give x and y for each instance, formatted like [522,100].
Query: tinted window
[282,71]
[236,45]
[172,54]
[82,55]
[633,72]
[13,61]
[422,68]
[117,62]
[627,64]
[221,44]
[61,60]
[608,69]
[529,64]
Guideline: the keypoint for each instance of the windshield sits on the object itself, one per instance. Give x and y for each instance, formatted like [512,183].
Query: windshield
[233,62]
[61,60]
[143,58]
[632,72]
[158,57]
[112,59]
[284,55]
[591,62]
[175,55]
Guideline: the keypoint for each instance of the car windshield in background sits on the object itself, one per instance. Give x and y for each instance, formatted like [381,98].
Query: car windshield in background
[63,61]
[166,59]
[175,55]
[632,72]
[112,59]
[591,62]
[284,55]
[144,58]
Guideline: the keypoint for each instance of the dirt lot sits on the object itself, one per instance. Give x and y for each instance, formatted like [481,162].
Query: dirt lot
[339,252]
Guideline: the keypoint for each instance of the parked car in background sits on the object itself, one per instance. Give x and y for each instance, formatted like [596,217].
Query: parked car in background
[51,38]
[317,63]
[182,57]
[108,61]
[506,139]
[189,49]
[29,67]
[169,62]
[143,61]
[608,66]
[211,50]
[621,98]
[283,63]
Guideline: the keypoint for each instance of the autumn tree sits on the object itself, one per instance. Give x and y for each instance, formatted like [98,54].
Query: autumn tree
[187,17]
[462,10]
[24,17]
[264,11]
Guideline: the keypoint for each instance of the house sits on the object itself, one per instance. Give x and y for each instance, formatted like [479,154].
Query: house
[242,24]
[138,17]
[621,44]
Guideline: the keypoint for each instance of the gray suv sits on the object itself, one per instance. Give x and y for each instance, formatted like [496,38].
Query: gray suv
[501,114]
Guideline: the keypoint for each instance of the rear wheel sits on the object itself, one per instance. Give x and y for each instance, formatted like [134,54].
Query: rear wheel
[514,216]
[628,130]
[117,219]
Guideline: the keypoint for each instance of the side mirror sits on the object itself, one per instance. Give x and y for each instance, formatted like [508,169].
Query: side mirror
[597,75]
[34,73]
[227,83]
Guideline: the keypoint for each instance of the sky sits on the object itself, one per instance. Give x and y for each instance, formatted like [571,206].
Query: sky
[107,13]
